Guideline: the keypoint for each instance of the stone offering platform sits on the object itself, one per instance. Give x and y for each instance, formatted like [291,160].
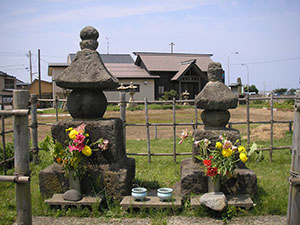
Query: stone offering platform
[243,201]
[58,200]
[151,202]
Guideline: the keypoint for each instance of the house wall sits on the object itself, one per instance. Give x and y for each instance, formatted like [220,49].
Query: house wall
[46,89]
[165,81]
[54,73]
[146,90]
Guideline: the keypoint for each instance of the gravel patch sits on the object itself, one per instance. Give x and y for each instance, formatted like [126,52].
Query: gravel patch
[173,220]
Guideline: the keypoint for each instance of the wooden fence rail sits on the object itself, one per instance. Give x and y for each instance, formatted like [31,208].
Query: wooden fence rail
[194,124]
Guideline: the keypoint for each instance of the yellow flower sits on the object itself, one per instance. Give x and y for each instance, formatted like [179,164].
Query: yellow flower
[243,157]
[227,152]
[73,134]
[219,145]
[69,129]
[87,150]
[241,149]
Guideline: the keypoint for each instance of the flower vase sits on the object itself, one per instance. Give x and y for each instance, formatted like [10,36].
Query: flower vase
[74,192]
[214,185]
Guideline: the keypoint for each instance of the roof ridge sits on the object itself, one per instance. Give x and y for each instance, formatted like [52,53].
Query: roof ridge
[172,54]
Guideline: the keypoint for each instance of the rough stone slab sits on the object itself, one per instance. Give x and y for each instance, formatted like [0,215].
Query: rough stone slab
[214,200]
[58,200]
[243,201]
[150,202]
[240,201]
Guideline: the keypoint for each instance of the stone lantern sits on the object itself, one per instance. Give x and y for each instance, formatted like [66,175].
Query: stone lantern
[110,170]
[131,88]
[185,95]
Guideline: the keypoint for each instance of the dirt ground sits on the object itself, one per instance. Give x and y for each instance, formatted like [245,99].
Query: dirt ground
[258,131]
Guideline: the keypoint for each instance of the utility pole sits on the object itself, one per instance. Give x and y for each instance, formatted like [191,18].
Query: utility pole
[39,71]
[171,44]
[107,44]
[30,66]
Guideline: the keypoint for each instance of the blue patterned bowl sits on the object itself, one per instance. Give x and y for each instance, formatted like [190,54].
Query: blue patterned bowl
[164,194]
[139,193]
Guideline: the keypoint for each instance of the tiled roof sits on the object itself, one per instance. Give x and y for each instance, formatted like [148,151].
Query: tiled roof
[127,70]
[182,69]
[110,58]
[171,61]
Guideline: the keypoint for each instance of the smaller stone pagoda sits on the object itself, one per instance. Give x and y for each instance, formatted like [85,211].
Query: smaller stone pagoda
[215,98]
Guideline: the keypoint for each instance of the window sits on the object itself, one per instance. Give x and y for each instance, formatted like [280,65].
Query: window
[161,90]
[9,84]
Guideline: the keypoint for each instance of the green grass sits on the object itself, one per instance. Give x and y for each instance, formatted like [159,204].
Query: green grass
[271,197]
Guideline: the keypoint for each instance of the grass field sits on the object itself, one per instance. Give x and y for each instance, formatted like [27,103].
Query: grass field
[271,197]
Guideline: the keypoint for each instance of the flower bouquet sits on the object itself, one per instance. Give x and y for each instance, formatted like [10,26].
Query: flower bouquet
[74,156]
[221,160]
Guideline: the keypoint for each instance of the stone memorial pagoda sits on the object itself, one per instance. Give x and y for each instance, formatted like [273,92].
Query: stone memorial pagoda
[108,170]
[215,99]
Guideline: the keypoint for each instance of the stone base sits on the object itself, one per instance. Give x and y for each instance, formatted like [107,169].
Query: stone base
[110,129]
[213,136]
[58,200]
[194,180]
[150,202]
[116,179]
[243,201]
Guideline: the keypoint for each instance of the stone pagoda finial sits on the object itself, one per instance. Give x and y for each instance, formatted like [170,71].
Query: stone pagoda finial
[87,77]
[215,98]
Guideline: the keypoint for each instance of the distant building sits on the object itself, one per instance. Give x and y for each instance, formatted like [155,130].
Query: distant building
[152,73]
[119,65]
[238,88]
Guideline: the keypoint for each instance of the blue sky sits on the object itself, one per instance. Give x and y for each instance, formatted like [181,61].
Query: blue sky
[266,33]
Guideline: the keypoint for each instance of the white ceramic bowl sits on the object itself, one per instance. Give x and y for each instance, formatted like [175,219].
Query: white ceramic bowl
[164,194]
[139,193]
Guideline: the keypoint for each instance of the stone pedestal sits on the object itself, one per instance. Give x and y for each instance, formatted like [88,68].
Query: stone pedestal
[110,169]
[194,180]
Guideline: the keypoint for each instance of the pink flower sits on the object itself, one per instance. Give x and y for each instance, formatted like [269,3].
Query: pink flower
[79,138]
[80,128]
[80,147]
[221,137]
[103,145]
[180,142]
[227,144]
[72,148]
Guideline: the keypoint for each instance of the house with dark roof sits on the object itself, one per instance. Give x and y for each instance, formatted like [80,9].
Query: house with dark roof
[177,71]
[119,65]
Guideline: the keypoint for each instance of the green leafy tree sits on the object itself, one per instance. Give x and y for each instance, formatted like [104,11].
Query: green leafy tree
[252,88]
[169,95]
[280,91]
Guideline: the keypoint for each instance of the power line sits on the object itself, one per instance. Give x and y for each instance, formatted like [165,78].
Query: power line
[269,61]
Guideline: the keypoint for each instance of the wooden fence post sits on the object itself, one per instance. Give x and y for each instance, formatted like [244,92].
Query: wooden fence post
[174,129]
[148,132]
[3,139]
[293,214]
[123,113]
[56,108]
[34,127]
[21,147]
[248,120]
[271,125]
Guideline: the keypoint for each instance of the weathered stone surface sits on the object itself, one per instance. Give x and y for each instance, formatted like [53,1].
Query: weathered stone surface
[151,202]
[243,181]
[213,136]
[72,195]
[52,180]
[214,119]
[85,103]
[193,179]
[116,179]
[216,96]
[110,129]
[214,200]
[87,71]
[58,200]
[215,72]
[89,36]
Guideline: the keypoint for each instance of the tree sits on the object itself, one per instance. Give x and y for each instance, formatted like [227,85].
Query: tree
[292,91]
[252,88]
[280,91]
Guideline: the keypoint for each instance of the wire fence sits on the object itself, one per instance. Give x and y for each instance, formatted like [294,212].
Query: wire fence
[147,124]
